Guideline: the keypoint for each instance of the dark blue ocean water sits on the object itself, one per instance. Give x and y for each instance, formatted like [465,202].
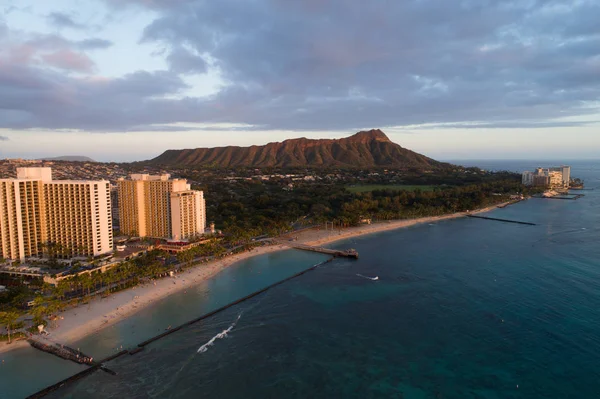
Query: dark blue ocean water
[462,309]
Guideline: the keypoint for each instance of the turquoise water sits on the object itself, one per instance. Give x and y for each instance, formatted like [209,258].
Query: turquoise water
[462,309]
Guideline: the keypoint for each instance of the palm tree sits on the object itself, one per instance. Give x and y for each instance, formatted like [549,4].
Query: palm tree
[54,307]
[39,310]
[87,283]
[185,257]
[61,289]
[9,319]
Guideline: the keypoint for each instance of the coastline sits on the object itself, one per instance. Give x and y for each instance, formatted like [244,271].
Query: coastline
[88,319]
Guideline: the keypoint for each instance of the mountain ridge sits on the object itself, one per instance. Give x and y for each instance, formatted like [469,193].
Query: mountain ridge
[71,158]
[370,148]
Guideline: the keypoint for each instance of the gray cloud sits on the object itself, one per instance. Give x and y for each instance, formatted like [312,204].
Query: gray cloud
[182,60]
[62,20]
[94,44]
[336,64]
[34,98]
[3,138]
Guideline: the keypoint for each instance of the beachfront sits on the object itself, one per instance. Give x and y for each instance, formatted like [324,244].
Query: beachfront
[100,313]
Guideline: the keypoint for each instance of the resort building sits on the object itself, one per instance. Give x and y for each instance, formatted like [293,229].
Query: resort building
[565,172]
[527,179]
[556,177]
[156,206]
[541,181]
[63,218]
[21,218]
[114,203]
[78,217]
[188,217]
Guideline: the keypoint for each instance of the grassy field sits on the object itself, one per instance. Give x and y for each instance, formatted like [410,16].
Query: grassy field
[396,187]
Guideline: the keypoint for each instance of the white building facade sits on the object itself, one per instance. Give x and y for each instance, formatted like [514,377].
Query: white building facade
[188,214]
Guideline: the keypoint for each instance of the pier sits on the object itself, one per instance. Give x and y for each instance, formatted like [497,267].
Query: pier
[501,220]
[349,253]
[571,197]
[563,196]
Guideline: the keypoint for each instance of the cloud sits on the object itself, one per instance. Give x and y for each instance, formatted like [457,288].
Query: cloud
[69,60]
[94,44]
[62,20]
[47,99]
[47,50]
[181,60]
[3,138]
[325,65]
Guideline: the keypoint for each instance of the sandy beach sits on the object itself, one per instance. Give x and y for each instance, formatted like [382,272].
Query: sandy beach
[322,237]
[100,313]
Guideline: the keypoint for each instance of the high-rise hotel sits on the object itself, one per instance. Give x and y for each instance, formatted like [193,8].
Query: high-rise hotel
[160,207]
[556,177]
[67,217]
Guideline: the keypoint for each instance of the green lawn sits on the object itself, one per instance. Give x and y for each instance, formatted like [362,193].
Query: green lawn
[397,187]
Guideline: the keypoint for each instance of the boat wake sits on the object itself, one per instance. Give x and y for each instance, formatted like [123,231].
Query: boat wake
[220,335]
[368,278]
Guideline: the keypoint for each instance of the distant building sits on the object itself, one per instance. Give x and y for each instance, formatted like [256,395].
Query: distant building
[156,206]
[565,172]
[527,178]
[541,181]
[556,177]
[66,217]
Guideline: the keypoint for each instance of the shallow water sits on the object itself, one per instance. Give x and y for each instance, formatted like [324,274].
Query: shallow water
[463,308]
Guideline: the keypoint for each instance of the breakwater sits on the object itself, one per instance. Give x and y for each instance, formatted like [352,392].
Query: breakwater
[76,377]
[501,220]
[209,314]
[99,365]
[565,197]
[61,351]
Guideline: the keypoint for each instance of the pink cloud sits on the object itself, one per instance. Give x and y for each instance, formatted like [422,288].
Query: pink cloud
[69,60]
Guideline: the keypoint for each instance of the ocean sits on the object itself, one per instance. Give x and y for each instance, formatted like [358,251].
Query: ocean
[463,308]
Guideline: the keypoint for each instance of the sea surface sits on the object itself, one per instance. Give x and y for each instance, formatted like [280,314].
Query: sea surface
[464,308]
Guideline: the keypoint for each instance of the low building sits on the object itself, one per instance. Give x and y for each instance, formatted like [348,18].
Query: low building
[179,246]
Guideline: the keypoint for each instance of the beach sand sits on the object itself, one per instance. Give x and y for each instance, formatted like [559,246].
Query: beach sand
[87,319]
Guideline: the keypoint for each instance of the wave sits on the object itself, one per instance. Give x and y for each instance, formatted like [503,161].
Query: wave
[369,278]
[220,335]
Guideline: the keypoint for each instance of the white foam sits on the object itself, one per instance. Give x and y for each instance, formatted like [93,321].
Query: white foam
[369,278]
[220,335]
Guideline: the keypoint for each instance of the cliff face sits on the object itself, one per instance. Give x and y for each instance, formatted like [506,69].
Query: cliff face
[363,150]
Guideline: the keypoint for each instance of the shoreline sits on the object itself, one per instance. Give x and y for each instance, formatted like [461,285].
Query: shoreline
[88,319]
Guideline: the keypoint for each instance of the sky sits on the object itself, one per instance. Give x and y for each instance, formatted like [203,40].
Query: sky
[124,80]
